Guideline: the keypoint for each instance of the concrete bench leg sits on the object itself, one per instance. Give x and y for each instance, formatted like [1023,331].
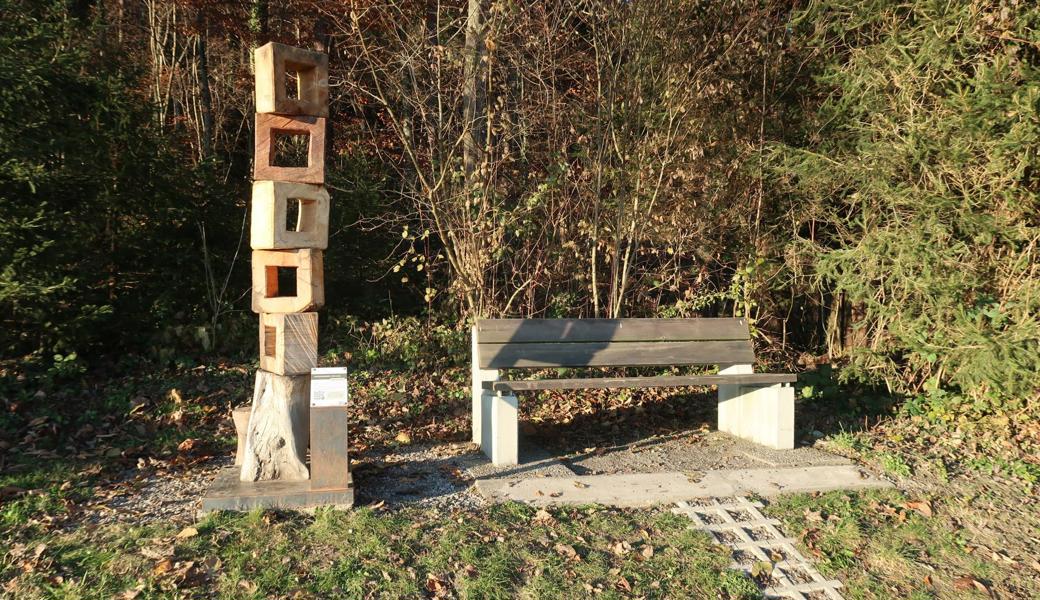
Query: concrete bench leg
[761,414]
[499,438]
[479,376]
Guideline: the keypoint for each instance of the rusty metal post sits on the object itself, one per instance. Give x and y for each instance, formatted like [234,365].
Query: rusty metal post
[330,462]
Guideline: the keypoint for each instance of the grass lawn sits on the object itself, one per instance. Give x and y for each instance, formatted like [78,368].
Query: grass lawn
[962,535]
[505,551]
[881,544]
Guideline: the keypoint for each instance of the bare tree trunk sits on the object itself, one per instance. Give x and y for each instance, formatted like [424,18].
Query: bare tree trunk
[474,115]
[475,106]
[324,42]
[205,95]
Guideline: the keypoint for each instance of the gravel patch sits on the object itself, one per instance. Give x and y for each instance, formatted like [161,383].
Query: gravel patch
[145,498]
[688,452]
[425,475]
[440,475]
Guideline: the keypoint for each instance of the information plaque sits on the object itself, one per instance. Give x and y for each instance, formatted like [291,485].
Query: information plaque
[329,387]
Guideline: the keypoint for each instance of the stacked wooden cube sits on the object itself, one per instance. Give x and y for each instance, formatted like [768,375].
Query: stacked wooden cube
[288,280]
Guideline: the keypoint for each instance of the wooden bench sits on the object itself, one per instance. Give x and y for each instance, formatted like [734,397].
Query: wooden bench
[754,406]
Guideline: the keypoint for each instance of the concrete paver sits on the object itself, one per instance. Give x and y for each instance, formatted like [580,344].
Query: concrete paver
[646,489]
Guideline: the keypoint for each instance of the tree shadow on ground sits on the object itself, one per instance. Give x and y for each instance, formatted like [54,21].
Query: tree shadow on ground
[652,414]
[432,474]
[827,409]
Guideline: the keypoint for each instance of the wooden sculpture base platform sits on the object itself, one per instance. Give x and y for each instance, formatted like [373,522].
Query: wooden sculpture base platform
[227,492]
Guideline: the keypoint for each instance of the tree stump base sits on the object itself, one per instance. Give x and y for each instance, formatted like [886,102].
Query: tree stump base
[276,440]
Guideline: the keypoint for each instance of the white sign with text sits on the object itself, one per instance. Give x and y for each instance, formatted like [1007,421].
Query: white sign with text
[329,387]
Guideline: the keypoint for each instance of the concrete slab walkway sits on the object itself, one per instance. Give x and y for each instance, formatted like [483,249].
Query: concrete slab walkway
[645,489]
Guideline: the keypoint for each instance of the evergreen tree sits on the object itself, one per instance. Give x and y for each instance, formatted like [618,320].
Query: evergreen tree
[916,187]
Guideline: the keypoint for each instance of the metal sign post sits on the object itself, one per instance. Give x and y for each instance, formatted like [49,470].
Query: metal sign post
[330,464]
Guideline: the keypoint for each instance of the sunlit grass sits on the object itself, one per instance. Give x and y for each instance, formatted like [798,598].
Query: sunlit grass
[881,547]
[505,551]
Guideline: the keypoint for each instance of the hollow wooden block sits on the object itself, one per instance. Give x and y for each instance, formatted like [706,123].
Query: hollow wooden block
[268,128]
[270,230]
[309,279]
[289,343]
[273,64]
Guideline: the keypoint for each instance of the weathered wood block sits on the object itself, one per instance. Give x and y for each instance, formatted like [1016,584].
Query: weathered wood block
[276,64]
[289,343]
[276,441]
[271,229]
[240,417]
[268,162]
[287,281]
[228,492]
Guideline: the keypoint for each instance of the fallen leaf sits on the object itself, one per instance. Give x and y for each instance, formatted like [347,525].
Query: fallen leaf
[162,567]
[623,584]
[567,551]
[187,445]
[621,548]
[543,516]
[813,516]
[188,532]
[435,585]
[157,552]
[403,438]
[922,506]
[1003,557]
[967,583]
[580,485]
[647,551]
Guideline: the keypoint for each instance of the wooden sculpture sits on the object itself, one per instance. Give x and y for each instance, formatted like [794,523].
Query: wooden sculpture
[288,282]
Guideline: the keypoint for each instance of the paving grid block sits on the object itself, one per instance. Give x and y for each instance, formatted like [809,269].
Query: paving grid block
[794,576]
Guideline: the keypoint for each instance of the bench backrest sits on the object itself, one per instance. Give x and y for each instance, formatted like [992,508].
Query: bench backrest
[537,343]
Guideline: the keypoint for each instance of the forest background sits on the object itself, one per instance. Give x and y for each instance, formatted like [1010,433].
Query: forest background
[858,177]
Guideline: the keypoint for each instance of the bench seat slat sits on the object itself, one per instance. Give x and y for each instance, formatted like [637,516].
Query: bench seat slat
[518,331]
[614,354]
[637,382]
